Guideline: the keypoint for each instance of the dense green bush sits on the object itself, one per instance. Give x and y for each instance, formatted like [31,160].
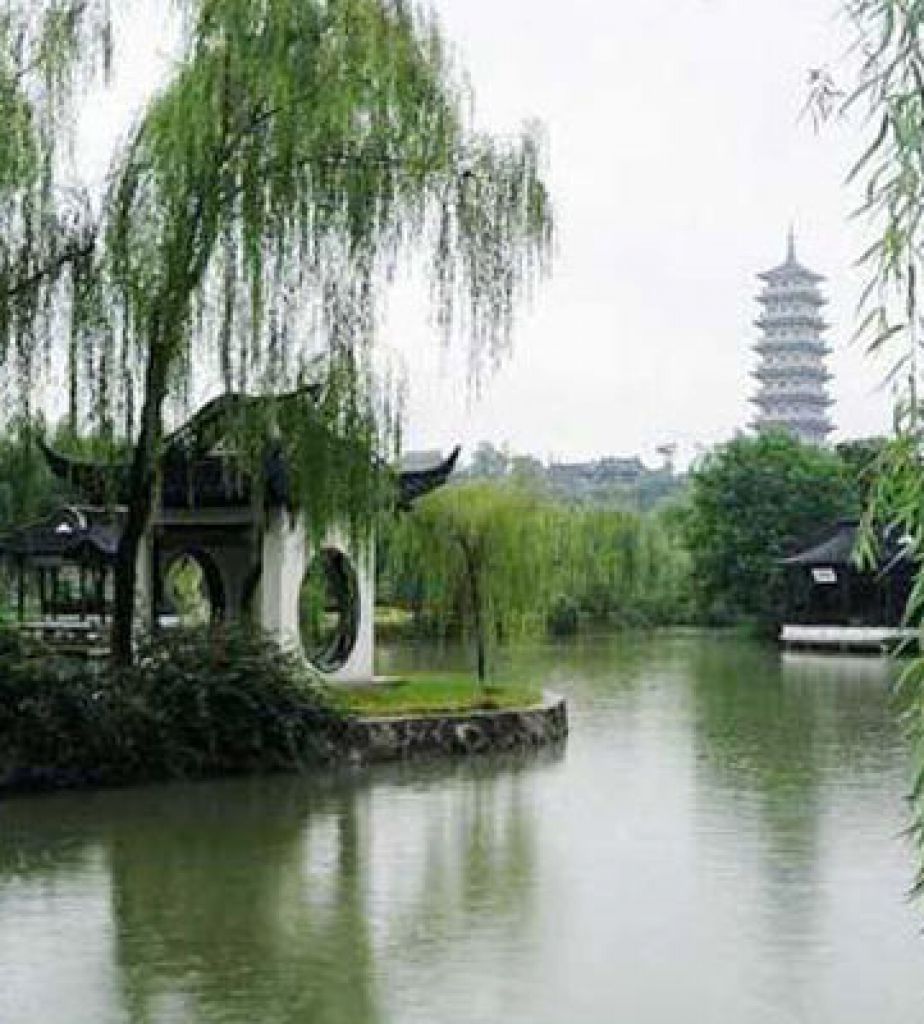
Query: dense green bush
[196,704]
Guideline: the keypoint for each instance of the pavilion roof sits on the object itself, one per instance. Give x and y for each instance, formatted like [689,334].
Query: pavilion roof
[70,534]
[837,548]
[194,475]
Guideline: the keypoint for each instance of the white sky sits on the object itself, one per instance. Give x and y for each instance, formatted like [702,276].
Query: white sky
[677,161]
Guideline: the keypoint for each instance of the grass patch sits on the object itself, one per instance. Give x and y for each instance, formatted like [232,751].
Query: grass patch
[436,693]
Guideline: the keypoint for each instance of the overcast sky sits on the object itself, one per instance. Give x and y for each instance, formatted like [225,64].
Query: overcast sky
[677,161]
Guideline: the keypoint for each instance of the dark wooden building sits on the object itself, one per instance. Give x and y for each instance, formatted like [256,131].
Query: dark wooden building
[828,587]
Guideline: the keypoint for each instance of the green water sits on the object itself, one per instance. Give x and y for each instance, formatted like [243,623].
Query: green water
[719,842]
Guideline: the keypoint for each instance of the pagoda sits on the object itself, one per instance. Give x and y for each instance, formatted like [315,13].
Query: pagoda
[791,395]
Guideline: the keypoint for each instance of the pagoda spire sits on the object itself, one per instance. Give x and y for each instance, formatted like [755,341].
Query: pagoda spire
[791,245]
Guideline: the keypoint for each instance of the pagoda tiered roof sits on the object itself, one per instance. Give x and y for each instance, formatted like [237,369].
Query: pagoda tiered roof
[785,371]
[807,293]
[816,346]
[812,321]
[767,399]
[792,395]
[803,293]
[809,424]
[791,269]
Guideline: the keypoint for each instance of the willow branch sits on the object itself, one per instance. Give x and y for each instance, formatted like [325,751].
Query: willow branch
[50,270]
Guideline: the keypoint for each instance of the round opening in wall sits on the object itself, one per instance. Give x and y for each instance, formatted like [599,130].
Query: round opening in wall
[329,610]
[191,592]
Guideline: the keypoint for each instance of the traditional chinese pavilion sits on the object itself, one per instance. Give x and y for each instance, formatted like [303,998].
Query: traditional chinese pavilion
[835,603]
[252,550]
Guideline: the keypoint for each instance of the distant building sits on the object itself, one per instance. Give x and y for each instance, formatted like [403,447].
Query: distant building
[585,478]
[792,375]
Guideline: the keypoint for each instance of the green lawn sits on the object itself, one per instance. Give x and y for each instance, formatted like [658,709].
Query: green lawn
[420,694]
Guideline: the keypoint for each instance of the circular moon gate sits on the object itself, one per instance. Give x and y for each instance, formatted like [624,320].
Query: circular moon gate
[329,610]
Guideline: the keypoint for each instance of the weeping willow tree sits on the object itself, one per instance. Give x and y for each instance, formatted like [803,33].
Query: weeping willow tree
[478,556]
[890,91]
[48,48]
[619,567]
[268,195]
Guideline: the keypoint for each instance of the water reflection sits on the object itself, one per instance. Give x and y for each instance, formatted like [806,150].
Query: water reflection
[215,909]
[717,842]
[245,901]
[782,744]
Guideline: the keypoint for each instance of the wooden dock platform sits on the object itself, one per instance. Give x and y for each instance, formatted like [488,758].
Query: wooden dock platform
[859,639]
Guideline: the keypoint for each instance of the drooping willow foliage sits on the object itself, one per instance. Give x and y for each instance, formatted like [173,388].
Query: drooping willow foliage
[48,48]
[498,561]
[475,559]
[302,149]
[617,567]
[890,89]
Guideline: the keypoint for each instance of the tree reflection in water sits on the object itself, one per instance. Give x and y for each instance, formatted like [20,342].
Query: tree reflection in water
[720,841]
[781,741]
[267,900]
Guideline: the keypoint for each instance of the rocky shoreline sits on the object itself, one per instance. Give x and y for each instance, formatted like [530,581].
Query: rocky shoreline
[377,740]
[353,742]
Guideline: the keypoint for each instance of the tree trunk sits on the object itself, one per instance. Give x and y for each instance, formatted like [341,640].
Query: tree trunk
[478,623]
[140,503]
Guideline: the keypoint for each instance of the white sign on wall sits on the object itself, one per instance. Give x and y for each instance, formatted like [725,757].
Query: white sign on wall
[824,574]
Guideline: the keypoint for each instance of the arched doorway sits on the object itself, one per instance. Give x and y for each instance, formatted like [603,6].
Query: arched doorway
[192,593]
[329,610]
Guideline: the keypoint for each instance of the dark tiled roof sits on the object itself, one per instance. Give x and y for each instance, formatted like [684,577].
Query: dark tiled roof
[414,484]
[192,477]
[93,542]
[838,547]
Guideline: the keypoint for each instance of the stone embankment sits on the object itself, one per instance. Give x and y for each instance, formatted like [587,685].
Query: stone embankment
[407,737]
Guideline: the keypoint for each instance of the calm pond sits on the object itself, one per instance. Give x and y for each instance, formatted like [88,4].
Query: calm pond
[718,843]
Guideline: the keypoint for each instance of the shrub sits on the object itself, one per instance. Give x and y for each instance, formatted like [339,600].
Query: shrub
[195,704]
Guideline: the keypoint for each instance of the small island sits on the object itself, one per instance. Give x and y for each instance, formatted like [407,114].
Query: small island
[233,582]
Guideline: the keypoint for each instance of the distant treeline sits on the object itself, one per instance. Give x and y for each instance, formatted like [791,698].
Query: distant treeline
[709,556]
[610,480]
[707,551]
[530,562]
